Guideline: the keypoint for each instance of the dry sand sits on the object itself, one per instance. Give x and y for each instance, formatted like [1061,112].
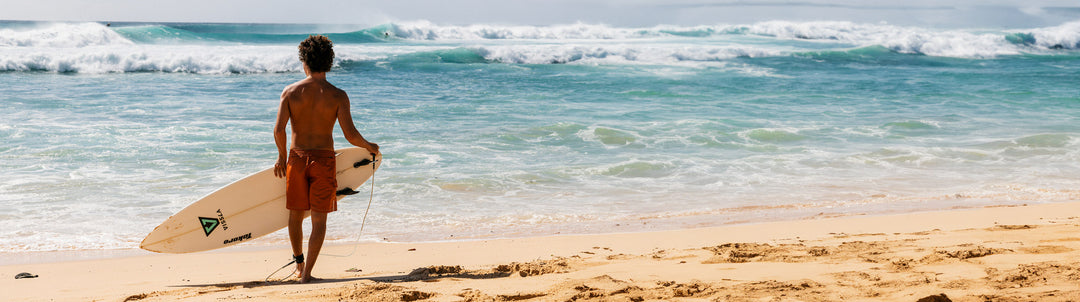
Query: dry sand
[1021,253]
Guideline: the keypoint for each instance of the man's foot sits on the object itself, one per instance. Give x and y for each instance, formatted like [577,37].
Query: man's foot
[309,279]
[300,270]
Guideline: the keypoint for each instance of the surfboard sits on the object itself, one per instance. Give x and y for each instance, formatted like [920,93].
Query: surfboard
[248,208]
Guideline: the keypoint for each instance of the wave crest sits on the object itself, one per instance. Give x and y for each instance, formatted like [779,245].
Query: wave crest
[188,59]
[95,48]
[912,40]
[425,30]
[63,35]
[1065,36]
[943,43]
[618,54]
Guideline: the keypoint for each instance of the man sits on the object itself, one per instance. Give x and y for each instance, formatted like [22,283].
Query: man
[312,105]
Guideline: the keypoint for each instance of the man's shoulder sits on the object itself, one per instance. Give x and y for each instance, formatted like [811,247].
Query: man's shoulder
[335,92]
[292,88]
[338,92]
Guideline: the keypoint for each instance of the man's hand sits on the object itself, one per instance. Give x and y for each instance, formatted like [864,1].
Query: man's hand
[374,148]
[279,168]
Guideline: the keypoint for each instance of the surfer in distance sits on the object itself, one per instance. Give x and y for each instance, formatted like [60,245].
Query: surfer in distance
[312,105]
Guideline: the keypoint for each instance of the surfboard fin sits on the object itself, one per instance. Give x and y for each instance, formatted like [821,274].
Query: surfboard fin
[362,163]
[346,191]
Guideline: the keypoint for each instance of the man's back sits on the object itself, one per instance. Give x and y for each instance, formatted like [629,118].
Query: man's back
[313,106]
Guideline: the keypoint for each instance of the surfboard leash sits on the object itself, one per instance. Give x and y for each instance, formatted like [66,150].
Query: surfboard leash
[371,197]
[279,269]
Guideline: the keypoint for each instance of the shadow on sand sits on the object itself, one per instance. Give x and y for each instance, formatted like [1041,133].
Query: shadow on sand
[419,274]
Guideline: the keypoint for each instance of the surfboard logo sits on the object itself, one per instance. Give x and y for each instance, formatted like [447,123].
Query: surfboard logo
[208,224]
[237,238]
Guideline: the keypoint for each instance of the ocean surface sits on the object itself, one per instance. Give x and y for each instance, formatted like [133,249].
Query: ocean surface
[496,131]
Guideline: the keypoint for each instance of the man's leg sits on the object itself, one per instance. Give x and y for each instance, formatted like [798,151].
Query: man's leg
[296,236]
[318,233]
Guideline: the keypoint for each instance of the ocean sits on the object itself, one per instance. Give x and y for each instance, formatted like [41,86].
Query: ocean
[493,131]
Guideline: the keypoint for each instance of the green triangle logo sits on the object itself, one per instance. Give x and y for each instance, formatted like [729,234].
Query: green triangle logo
[208,224]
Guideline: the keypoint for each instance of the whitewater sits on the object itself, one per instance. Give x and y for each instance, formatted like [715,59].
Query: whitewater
[95,48]
[493,131]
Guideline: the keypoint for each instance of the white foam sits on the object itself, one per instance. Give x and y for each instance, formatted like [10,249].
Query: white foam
[63,35]
[161,58]
[1064,36]
[947,43]
[594,54]
[425,30]
[93,48]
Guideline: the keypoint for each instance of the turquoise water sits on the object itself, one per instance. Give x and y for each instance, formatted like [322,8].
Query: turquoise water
[503,131]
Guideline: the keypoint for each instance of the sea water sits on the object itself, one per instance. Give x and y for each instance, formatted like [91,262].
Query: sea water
[509,131]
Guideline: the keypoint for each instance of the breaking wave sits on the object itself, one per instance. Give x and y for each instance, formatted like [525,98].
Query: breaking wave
[68,35]
[208,48]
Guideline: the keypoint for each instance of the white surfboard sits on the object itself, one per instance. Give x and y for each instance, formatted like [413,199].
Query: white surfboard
[248,208]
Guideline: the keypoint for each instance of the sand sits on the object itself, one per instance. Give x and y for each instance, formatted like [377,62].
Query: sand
[1016,253]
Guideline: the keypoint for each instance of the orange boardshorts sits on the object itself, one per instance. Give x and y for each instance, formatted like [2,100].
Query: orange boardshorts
[311,181]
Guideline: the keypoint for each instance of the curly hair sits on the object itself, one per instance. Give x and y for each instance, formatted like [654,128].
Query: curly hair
[317,52]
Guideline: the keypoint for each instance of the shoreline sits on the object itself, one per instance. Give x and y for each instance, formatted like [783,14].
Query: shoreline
[626,226]
[852,250]
[656,224]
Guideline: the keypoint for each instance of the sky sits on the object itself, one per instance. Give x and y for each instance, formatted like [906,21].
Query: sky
[625,13]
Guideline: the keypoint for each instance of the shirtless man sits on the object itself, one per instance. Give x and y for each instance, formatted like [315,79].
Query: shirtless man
[312,105]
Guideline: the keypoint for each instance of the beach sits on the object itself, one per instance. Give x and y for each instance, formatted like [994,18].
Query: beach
[784,160]
[1011,253]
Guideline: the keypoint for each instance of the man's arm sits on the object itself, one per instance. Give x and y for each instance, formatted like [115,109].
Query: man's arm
[281,138]
[349,129]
